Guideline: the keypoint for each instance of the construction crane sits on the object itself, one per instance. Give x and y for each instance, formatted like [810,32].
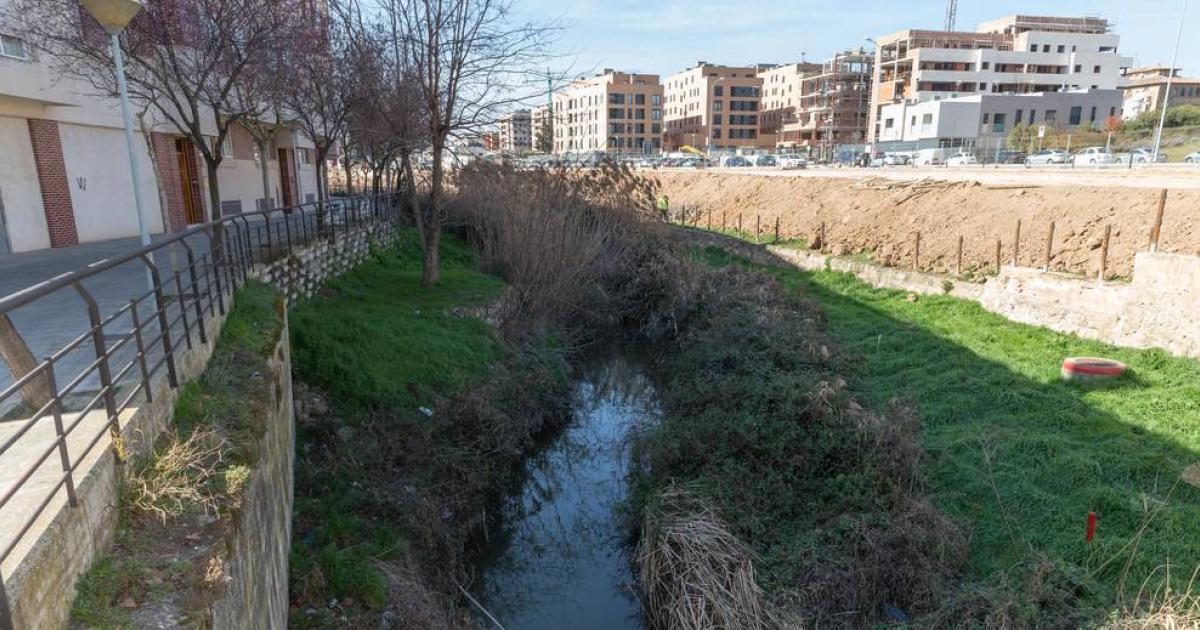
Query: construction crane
[951,14]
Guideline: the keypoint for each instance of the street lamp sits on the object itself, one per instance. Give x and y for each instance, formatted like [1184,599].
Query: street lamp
[1162,118]
[114,16]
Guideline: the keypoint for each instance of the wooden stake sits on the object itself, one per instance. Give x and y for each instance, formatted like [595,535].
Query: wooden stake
[722,220]
[776,229]
[997,256]
[739,223]
[958,257]
[1017,245]
[710,213]
[917,252]
[824,245]
[757,228]
[1049,246]
[1104,253]
[1156,230]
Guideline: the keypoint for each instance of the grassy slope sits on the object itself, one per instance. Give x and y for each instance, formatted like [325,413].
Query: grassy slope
[983,383]
[377,340]
[384,342]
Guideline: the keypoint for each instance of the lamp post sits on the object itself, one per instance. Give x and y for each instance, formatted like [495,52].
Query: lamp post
[114,16]
[1162,118]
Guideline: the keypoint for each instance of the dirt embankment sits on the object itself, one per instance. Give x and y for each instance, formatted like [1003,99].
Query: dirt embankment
[880,217]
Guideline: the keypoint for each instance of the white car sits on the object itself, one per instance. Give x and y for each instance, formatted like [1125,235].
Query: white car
[961,159]
[1093,155]
[792,161]
[1192,158]
[1140,156]
[1047,156]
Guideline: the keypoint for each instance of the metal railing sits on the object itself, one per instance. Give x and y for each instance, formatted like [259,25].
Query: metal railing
[118,333]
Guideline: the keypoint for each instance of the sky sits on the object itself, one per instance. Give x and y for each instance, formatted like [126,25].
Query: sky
[666,36]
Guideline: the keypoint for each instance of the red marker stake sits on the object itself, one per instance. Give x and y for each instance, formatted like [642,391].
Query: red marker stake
[1091,526]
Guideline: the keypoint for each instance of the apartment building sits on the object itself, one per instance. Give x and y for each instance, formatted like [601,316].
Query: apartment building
[715,107]
[815,107]
[516,132]
[982,122]
[64,178]
[1019,54]
[1147,87]
[613,112]
[541,129]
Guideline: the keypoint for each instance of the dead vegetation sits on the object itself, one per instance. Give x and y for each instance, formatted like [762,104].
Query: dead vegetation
[186,475]
[695,573]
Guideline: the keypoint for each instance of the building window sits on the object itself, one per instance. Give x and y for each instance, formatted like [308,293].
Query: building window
[1033,48]
[639,99]
[998,123]
[226,149]
[719,91]
[13,47]
[616,99]
[888,123]
[1051,116]
[656,99]
[616,113]
[716,119]
[1076,115]
[716,133]
[986,117]
[1017,118]
[1095,69]
[982,87]
[1078,68]
[1032,115]
[718,105]
[1093,118]
[743,90]
[985,65]
[927,119]
[1062,48]
[1045,48]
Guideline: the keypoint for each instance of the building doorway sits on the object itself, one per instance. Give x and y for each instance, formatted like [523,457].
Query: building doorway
[189,178]
[287,177]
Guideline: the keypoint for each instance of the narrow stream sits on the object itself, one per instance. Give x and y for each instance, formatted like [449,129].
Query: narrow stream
[557,556]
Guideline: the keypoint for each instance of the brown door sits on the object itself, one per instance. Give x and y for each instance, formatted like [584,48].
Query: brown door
[189,178]
[286,177]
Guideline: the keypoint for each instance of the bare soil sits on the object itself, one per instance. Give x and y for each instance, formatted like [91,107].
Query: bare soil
[880,217]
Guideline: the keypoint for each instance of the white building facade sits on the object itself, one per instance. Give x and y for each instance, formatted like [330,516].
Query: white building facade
[64,175]
[516,132]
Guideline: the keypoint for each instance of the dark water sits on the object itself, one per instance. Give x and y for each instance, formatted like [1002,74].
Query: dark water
[557,556]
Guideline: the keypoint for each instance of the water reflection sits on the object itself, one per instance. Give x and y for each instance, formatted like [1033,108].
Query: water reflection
[557,557]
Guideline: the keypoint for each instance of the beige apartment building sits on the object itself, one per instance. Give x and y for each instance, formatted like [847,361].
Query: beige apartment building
[541,129]
[715,107]
[516,132]
[1147,87]
[613,112]
[817,106]
[1018,54]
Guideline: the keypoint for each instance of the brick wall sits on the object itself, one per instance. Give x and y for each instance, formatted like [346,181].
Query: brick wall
[174,216]
[52,178]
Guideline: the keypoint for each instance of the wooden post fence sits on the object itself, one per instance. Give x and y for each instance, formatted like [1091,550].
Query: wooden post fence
[1017,245]
[1156,229]
[1104,253]
[958,257]
[998,244]
[823,244]
[917,252]
[739,229]
[757,228]
[1049,246]
[776,229]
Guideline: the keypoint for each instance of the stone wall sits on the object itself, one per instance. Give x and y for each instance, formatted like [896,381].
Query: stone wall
[256,555]
[1157,310]
[299,275]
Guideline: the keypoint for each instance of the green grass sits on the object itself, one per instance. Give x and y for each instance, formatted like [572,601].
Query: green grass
[379,344]
[988,389]
[381,341]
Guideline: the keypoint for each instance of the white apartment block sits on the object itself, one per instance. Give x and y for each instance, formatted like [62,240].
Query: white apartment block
[516,132]
[542,129]
[64,175]
[613,112]
[982,122]
[1019,54]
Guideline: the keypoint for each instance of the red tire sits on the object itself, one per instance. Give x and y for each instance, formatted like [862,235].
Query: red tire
[1091,368]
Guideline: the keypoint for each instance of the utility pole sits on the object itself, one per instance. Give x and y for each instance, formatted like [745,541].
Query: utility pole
[951,14]
[1162,118]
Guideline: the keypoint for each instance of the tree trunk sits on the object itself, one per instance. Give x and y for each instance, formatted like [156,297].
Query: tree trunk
[214,200]
[268,203]
[20,362]
[432,232]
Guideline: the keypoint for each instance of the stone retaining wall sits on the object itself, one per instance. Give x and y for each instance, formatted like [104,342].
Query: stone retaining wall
[299,275]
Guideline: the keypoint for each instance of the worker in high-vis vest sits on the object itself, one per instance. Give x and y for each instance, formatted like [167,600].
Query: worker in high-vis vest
[664,207]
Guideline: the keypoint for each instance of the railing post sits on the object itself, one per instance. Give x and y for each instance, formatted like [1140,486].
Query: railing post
[141,349]
[160,304]
[106,382]
[6,622]
[216,268]
[195,299]
[60,432]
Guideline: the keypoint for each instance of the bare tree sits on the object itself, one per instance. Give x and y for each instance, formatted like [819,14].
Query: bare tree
[184,57]
[468,61]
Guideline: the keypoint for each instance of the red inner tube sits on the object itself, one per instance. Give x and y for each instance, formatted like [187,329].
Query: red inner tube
[1098,367]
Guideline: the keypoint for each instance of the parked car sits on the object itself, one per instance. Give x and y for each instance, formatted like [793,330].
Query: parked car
[1192,158]
[1140,155]
[792,161]
[896,159]
[877,159]
[734,161]
[1005,157]
[961,158]
[1093,155]
[1047,156]
[764,160]
[932,157]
